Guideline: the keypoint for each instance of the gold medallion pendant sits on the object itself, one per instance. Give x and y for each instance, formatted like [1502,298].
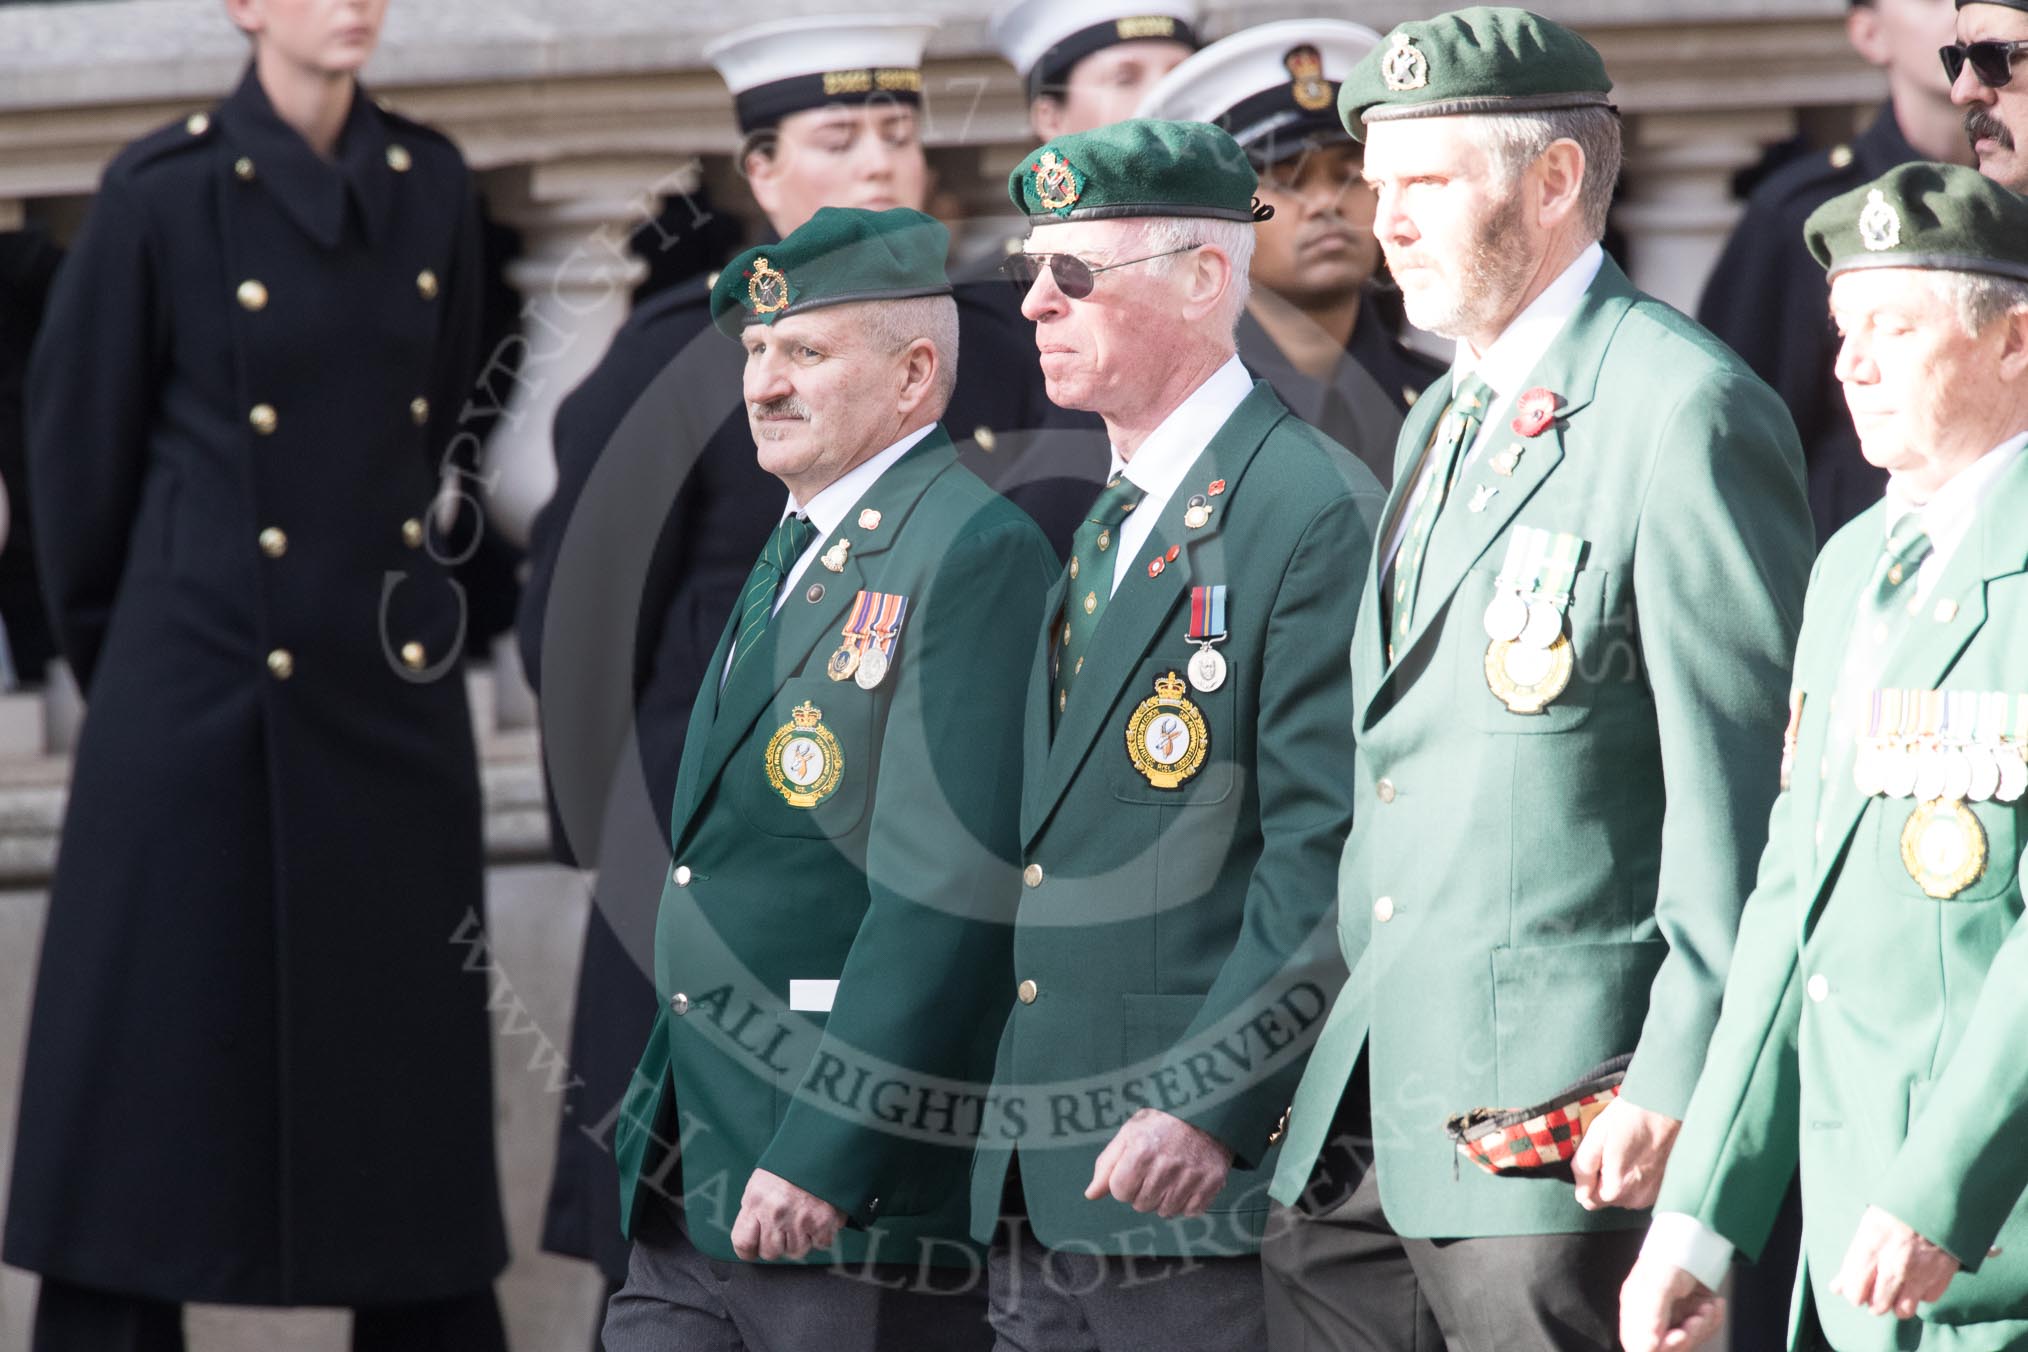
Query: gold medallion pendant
[1527,678]
[804,760]
[1943,847]
[1166,737]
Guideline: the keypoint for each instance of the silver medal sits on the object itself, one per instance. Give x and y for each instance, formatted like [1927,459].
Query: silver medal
[1985,771]
[2013,774]
[1957,775]
[1207,670]
[1544,626]
[1897,772]
[872,669]
[1929,775]
[1506,617]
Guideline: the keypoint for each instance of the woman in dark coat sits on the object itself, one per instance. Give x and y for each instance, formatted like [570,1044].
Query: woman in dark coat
[258,1067]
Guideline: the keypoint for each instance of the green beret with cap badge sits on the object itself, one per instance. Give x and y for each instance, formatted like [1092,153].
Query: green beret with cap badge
[1923,215]
[1478,60]
[839,256]
[1141,167]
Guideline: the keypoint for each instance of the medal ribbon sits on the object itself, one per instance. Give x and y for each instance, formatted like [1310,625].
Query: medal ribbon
[1526,548]
[1207,614]
[1559,574]
[859,623]
[887,623]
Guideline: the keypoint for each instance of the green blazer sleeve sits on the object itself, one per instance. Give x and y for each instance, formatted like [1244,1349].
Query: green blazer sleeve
[1305,807]
[1721,598]
[1963,1169]
[929,970]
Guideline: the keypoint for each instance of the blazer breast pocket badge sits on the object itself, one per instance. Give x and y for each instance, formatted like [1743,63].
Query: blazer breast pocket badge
[1166,736]
[804,761]
[1529,659]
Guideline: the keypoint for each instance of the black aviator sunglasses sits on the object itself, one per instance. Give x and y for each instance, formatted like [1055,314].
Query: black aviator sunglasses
[1075,278]
[1992,60]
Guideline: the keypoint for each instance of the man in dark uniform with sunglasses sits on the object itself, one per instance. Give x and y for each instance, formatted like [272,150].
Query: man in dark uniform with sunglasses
[1767,298]
[1982,65]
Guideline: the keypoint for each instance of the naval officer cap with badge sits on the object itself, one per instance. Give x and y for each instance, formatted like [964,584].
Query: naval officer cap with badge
[1313,328]
[1582,615]
[1087,63]
[1188,705]
[1899,861]
[843,840]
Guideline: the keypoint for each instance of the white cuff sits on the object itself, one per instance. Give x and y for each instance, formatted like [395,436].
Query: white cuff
[1689,1244]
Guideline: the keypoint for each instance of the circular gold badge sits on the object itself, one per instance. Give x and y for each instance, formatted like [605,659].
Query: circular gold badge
[767,290]
[1166,737]
[1943,847]
[1527,678]
[804,760]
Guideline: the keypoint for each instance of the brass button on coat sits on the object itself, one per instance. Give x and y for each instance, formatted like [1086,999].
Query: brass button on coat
[197,124]
[274,542]
[679,1004]
[1820,988]
[412,533]
[263,418]
[681,875]
[1383,909]
[244,167]
[419,409]
[1385,788]
[252,295]
[398,159]
[426,284]
[282,664]
[1026,991]
[413,657]
[1032,875]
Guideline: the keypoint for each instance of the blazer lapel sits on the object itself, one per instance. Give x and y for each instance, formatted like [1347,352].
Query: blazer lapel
[1035,729]
[1135,615]
[1937,636]
[801,625]
[1462,536]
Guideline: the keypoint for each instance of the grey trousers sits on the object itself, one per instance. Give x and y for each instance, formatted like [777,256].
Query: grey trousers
[1341,1280]
[678,1299]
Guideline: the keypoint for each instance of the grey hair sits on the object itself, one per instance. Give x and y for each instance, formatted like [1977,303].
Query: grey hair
[894,324]
[1234,239]
[1517,140]
[1979,298]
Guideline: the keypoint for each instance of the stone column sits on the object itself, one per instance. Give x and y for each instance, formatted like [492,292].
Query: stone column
[1676,205]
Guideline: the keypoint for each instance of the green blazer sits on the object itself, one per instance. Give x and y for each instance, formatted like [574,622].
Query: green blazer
[1178,939]
[1872,1033]
[1527,895]
[899,885]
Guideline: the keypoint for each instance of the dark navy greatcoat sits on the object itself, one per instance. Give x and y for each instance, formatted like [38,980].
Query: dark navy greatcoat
[258,1069]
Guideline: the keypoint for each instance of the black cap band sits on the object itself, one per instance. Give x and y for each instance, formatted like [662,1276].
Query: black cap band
[765,105]
[1271,126]
[1053,70]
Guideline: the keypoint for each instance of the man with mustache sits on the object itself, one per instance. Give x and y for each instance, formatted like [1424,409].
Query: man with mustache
[658,493]
[1567,681]
[1871,1039]
[1982,65]
[1314,328]
[1766,297]
[834,932]
[1184,787]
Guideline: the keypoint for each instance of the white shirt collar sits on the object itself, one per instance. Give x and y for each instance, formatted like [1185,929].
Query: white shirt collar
[1948,516]
[1163,459]
[1511,356]
[827,509]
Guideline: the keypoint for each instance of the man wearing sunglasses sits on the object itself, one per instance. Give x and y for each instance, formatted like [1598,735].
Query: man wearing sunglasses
[1982,65]
[1184,784]
[1568,674]
[1766,296]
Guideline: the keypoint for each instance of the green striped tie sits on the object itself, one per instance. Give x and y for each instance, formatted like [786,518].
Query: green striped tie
[1435,475]
[1091,580]
[757,601]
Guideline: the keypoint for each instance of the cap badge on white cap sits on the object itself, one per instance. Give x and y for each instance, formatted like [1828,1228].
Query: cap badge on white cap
[1306,68]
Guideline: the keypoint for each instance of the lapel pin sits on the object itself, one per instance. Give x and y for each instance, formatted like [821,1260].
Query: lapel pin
[1481,496]
[1198,513]
[869,520]
[1155,567]
[1505,463]
[1217,487]
[834,557]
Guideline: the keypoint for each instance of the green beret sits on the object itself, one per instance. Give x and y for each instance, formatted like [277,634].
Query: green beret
[1478,60]
[1141,167]
[838,256]
[1923,215]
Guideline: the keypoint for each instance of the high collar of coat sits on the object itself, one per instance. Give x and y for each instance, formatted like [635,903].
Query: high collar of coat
[315,192]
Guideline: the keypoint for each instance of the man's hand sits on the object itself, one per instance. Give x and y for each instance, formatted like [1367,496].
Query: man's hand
[1889,1267]
[1665,1309]
[777,1219]
[1621,1160]
[1161,1163]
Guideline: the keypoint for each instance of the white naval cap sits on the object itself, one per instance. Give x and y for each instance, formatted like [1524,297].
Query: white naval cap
[1274,87]
[787,65]
[1043,39]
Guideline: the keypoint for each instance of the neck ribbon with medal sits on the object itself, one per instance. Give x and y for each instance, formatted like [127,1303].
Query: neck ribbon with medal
[1941,749]
[1529,658]
[1167,738]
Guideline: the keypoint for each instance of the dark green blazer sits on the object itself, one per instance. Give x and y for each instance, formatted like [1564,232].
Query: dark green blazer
[1179,939]
[899,886]
[1526,895]
[1872,1033]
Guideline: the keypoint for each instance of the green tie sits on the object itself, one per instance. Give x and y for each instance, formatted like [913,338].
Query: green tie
[757,601]
[1878,625]
[1435,474]
[1091,580]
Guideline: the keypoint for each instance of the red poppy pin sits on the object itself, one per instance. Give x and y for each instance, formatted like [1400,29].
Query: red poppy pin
[1535,410]
[1217,487]
[1155,567]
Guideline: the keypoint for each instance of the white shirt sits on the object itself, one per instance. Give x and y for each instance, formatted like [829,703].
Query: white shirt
[1508,362]
[1684,1240]
[826,511]
[1158,467]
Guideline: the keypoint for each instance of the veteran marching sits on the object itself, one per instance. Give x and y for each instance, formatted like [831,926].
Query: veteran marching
[1872,1021]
